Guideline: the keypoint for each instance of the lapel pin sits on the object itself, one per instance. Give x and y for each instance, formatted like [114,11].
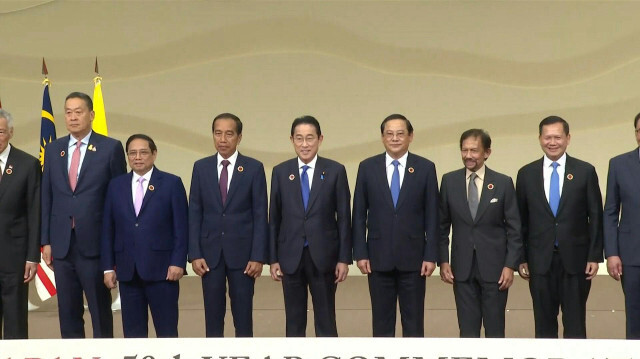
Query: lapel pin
[9,170]
[322,176]
[411,170]
[569,176]
[92,148]
[61,153]
[151,188]
[291,177]
[240,169]
[490,186]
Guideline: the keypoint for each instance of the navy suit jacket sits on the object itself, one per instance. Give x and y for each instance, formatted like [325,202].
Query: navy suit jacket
[326,224]
[622,209]
[494,234]
[402,237]
[85,204]
[238,229]
[19,212]
[577,225]
[152,241]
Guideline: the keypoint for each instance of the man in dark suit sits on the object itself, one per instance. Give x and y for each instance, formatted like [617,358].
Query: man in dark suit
[480,206]
[77,170]
[395,229]
[228,230]
[19,231]
[561,212]
[144,241]
[621,230]
[310,231]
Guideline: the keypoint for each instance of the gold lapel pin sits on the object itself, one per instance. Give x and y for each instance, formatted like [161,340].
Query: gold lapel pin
[61,153]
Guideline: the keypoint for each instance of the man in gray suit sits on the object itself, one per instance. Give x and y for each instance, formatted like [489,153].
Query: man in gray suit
[621,230]
[480,205]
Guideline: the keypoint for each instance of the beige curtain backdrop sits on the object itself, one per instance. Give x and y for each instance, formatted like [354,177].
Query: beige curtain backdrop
[169,67]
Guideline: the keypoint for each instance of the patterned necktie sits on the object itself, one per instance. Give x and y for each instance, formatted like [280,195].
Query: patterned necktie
[224,179]
[137,204]
[304,185]
[472,196]
[395,183]
[75,165]
[554,189]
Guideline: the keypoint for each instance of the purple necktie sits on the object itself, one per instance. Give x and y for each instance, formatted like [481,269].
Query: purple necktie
[224,178]
[137,204]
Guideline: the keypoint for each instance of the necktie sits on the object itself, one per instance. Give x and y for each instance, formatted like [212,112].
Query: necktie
[304,185]
[224,179]
[137,203]
[472,196]
[395,183]
[75,165]
[554,189]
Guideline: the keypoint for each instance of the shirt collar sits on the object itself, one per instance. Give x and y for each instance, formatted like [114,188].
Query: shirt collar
[147,176]
[402,160]
[84,140]
[311,164]
[480,172]
[4,156]
[561,161]
[232,159]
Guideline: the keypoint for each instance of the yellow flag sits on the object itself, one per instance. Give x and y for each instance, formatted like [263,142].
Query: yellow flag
[100,120]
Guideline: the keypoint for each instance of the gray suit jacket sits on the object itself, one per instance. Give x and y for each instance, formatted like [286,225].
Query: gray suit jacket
[494,234]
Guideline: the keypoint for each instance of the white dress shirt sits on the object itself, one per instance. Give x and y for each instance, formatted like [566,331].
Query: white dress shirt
[83,150]
[547,169]
[310,170]
[145,184]
[401,167]
[232,162]
[479,180]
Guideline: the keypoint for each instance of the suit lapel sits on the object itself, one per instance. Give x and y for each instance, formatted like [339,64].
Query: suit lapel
[236,178]
[459,193]
[89,156]
[383,183]
[293,183]
[407,181]
[127,192]
[634,163]
[485,194]
[317,181]
[7,178]
[64,153]
[539,179]
[215,180]
[567,184]
[155,184]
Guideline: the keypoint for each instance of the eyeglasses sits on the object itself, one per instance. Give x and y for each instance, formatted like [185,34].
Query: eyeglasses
[142,153]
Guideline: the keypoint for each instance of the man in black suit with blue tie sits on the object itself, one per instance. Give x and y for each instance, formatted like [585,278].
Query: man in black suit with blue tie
[228,229]
[622,230]
[77,170]
[561,212]
[310,230]
[395,229]
[479,206]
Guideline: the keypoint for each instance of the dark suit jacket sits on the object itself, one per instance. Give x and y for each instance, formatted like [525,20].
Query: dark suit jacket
[495,232]
[577,226]
[155,239]
[239,228]
[397,238]
[326,224]
[60,204]
[19,212]
[622,234]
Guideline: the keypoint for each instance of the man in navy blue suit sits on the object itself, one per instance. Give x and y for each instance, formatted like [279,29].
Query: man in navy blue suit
[310,231]
[144,241]
[395,229]
[228,227]
[622,230]
[77,170]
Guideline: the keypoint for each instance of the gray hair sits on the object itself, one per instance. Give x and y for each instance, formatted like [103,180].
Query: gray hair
[7,116]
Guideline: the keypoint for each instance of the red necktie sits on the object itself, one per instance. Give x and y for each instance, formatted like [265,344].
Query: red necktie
[75,165]
[224,178]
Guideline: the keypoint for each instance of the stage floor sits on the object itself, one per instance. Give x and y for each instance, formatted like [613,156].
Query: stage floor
[605,311]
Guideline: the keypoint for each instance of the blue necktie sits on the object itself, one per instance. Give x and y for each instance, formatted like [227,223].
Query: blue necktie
[395,183]
[554,189]
[304,183]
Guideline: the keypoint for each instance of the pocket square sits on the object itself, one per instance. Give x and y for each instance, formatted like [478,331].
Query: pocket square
[494,200]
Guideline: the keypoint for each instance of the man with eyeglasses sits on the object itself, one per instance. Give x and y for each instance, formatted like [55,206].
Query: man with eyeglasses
[310,225]
[395,229]
[144,241]
[77,170]
[228,231]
